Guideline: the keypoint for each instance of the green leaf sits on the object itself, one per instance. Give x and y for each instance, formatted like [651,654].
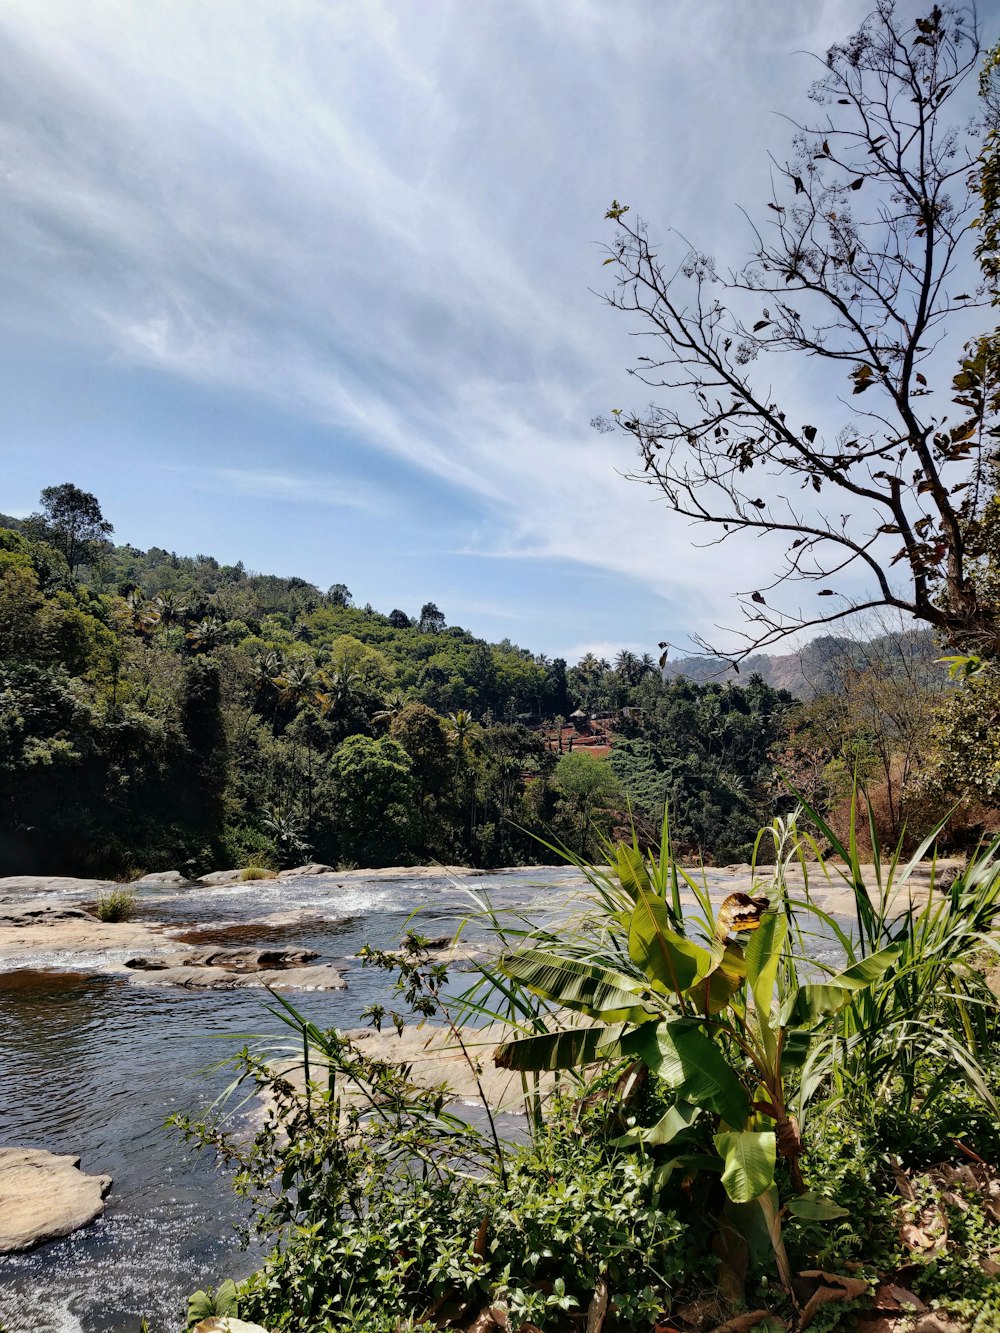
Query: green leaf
[680,1117]
[748,1157]
[814,1208]
[559,1050]
[691,1064]
[632,872]
[727,976]
[575,984]
[816,1000]
[666,957]
[763,955]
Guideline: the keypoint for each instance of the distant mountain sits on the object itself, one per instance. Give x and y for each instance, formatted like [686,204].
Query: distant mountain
[817,666]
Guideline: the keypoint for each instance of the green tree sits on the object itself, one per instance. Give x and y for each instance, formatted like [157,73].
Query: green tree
[71,520]
[431,619]
[375,794]
[204,770]
[587,791]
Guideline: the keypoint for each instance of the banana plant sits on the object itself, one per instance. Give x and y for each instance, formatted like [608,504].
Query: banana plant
[718,1019]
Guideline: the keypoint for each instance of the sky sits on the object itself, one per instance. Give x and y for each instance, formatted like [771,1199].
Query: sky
[316,285]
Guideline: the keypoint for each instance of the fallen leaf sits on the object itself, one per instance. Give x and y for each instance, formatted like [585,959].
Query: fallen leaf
[744,1322]
[833,1290]
[892,1297]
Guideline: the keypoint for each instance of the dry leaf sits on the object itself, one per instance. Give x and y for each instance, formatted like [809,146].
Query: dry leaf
[833,1290]
[892,1297]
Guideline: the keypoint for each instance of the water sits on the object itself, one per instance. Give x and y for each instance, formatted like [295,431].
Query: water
[93,1064]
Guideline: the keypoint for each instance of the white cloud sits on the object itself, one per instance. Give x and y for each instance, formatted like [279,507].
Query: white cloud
[383,217]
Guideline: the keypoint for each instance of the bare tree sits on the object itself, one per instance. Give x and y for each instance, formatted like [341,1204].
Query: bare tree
[855,266]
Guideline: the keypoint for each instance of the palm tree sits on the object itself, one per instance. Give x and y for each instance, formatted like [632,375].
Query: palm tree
[392,704]
[299,683]
[205,634]
[169,608]
[143,616]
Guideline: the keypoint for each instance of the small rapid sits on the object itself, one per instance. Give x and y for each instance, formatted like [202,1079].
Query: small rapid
[92,1064]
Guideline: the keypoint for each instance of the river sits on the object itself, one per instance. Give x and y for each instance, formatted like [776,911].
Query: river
[92,1065]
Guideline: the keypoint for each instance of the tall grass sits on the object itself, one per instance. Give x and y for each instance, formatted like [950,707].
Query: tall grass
[929,1021]
[116,905]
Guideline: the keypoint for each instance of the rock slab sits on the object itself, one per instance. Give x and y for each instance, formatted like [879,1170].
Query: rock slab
[54,884]
[248,959]
[44,1196]
[322,977]
[313,868]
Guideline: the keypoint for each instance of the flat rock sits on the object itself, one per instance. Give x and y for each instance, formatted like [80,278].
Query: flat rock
[248,959]
[43,1196]
[221,877]
[45,914]
[322,977]
[313,868]
[54,884]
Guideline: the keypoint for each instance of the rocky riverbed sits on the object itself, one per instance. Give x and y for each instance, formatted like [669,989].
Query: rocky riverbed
[107,1028]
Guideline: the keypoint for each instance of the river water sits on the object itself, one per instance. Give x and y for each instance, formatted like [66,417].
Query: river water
[92,1065]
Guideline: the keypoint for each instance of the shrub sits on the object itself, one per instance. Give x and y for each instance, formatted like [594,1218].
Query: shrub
[255,872]
[116,905]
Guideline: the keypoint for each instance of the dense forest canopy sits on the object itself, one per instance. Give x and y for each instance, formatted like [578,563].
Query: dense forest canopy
[162,711]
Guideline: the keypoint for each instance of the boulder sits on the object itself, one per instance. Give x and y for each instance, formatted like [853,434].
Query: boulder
[43,1196]
[221,877]
[165,879]
[86,888]
[313,868]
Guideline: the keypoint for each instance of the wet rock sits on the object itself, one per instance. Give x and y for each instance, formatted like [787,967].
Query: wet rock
[86,888]
[322,977]
[221,877]
[165,879]
[46,914]
[231,960]
[43,1196]
[313,868]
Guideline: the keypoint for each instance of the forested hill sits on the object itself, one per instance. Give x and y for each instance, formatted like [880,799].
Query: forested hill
[817,667]
[161,711]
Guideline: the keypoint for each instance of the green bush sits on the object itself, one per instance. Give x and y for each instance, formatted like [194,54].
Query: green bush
[255,872]
[116,905]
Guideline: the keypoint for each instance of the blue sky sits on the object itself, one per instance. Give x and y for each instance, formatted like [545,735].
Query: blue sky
[312,284]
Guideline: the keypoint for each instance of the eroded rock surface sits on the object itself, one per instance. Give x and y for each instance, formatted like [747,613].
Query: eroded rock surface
[44,1196]
[324,976]
[54,884]
[313,868]
[247,959]
[165,879]
[44,914]
[221,877]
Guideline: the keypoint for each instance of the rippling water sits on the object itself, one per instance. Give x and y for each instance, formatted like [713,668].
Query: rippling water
[92,1065]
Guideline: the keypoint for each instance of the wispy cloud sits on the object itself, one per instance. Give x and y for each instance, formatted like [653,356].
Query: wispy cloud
[284,486]
[383,218]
